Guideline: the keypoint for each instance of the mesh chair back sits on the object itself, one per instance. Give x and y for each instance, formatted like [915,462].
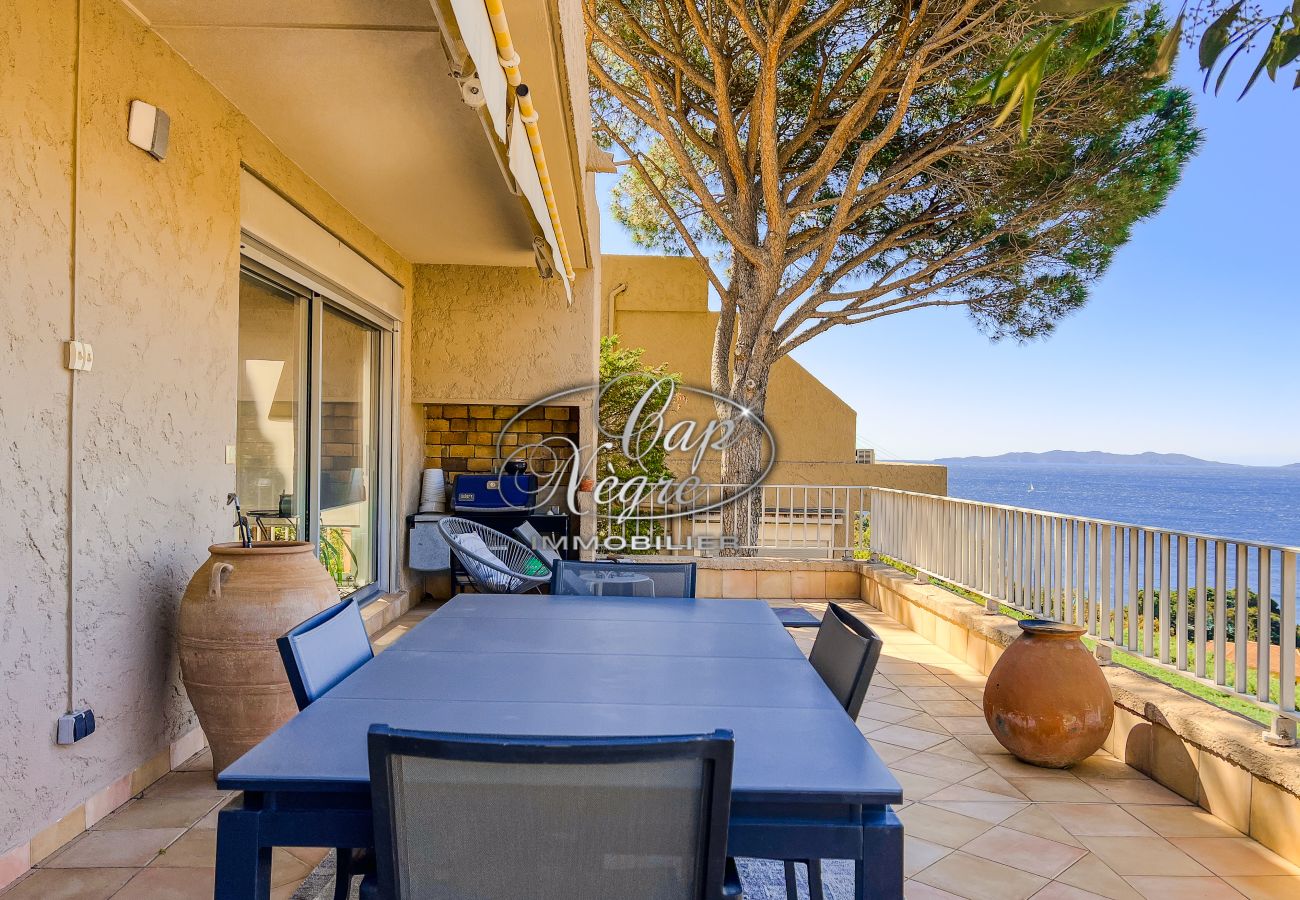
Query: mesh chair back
[538,544]
[495,562]
[623,579]
[323,650]
[845,655]
[498,818]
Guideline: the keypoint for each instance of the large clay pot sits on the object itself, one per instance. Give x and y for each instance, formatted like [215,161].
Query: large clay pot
[1047,700]
[238,602]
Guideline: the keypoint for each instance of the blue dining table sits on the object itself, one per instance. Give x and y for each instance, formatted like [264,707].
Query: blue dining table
[805,784]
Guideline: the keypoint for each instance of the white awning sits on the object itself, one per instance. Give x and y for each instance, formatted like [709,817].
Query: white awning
[476,31]
[524,167]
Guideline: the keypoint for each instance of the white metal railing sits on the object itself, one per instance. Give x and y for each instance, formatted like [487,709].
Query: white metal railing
[811,521]
[1104,575]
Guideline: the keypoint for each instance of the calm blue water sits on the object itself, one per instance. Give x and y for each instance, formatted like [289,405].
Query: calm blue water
[1254,504]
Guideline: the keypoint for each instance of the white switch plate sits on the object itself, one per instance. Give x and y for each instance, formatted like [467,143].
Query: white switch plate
[230,454]
[80,356]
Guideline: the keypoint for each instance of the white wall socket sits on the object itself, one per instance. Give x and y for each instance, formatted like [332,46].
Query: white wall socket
[81,356]
[230,454]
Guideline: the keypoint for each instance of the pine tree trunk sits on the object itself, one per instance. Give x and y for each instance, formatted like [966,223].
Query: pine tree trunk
[740,371]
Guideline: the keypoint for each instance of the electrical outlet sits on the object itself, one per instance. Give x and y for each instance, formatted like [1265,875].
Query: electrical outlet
[230,454]
[75,725]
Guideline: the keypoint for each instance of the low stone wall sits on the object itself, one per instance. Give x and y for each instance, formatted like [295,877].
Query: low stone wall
[1207,755]
[772,578]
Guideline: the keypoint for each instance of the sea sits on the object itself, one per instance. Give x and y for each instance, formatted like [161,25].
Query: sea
[1246,503]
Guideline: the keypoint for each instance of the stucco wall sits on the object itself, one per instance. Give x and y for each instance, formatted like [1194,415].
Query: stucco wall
[156,262]
[665,312]
[494,334]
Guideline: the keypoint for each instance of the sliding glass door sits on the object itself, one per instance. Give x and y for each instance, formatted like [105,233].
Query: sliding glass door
[308,443]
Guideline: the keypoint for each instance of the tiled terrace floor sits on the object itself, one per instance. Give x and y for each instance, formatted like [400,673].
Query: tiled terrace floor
[979,825]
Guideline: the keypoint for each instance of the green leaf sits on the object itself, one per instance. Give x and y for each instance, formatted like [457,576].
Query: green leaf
[1215,39]
[1168,49]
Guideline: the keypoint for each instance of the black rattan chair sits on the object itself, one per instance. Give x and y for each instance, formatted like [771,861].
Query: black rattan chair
[499,818]
[623,579]
[496,563]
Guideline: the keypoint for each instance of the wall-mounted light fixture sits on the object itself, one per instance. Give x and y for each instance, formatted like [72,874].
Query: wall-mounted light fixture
[149,128]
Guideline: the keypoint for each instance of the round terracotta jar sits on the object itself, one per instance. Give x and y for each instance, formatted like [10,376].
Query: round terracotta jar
[1047,700]
[238,602]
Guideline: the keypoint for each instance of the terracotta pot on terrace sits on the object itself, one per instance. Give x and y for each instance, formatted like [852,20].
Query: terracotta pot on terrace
[1047,700]
[238,602]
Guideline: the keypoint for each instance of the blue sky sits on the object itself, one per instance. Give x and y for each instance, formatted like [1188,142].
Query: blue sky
[1189,344]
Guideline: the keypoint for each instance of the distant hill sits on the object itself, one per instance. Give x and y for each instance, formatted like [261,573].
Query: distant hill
[1090,458]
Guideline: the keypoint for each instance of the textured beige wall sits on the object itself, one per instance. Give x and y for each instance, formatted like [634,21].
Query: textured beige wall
[665,311]
[493,334]
[157,267]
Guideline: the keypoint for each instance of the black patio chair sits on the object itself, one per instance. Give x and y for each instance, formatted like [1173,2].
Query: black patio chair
[845,654]
[623,579]
[319,653]
[550,818]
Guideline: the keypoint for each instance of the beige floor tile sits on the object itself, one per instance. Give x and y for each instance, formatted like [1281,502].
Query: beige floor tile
[210,820]
[915,890]
[1058,890]
[287,868]
[885,712]
[1159,887]
[1181,821]
[919,854]
[1234,856]
[956,750]
[1027,852]
[993,813]
[973,694]
[964,724]
[1132,790]
[926,722]
[899,667]
[1057,790]
[1143,856]
[980,879]
[983,744]
[958,707]
[1096,820]
[939,766]
[312,856]
[899,699]
[923,680]
[911,738]
[963,680]
[964,793]
[169,884]
[199,762]
[1091,874]
[866,726]
[1033,819]
[164,812]
[186,784]
[940,826]
[196,849]
[887,752]
[937,691]
[992,782]
[132,848]
[1009,767]
[918,787]
[1269,887]
[69,884]
[1103,765]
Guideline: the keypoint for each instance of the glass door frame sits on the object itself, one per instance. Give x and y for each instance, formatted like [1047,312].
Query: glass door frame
[263,261]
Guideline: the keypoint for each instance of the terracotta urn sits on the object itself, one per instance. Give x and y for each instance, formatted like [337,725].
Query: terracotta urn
[238,602]
[1047,700]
